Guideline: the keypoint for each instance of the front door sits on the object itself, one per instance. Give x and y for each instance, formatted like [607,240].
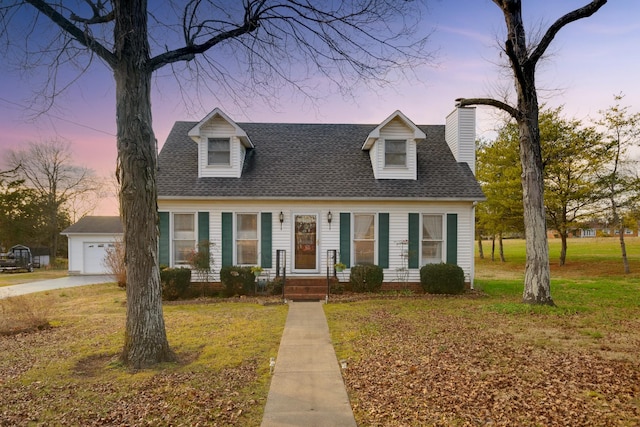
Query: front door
[305,229]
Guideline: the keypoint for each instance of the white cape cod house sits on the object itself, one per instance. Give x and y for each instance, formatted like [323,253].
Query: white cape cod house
[294,196]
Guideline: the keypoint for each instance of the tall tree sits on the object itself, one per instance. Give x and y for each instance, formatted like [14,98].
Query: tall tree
[47,168]
[499,175]
[618,179]
[523,59]
[21,215]
[263,43]
[572,154]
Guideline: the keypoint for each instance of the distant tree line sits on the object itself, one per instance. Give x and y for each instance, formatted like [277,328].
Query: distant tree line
[41,193]
[589,175]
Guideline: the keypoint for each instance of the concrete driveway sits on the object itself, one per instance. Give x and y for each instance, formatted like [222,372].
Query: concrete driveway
[47,285]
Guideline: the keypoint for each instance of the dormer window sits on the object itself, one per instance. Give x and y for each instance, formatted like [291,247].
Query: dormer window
[219,152]
[395,152]
[392,148]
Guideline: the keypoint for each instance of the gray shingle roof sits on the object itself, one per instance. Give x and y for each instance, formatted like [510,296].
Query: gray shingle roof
[96,225]
[313,161]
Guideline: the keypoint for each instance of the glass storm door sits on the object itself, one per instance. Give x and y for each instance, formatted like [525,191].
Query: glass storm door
[305,242]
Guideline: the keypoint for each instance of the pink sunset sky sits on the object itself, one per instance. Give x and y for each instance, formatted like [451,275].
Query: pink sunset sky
[589,61]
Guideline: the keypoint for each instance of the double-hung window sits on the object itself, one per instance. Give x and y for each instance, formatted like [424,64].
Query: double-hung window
[184,237]
[431,239]
[219,152]
[247,238]
[395,152]
[364,238]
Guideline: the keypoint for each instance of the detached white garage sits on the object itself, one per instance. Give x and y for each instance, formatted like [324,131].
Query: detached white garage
[89,240]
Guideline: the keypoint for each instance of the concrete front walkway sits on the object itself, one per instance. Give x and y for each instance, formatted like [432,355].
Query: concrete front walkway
[47,285]
[307,387]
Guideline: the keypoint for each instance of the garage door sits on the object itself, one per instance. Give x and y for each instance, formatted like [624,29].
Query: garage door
[93,256]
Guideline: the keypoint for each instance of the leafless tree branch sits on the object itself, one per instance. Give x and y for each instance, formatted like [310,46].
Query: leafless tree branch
[583,12]
[82,37]
[466,102]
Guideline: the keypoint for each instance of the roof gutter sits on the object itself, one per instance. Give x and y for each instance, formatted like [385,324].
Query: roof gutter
[328,198]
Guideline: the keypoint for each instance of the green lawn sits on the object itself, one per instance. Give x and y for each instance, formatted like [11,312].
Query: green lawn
[586,258]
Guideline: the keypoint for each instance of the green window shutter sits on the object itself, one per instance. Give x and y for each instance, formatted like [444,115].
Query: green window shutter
[227,239]
[203,227]
[265,240]
[345,238]
[414,240]
[383,240]
[203,232]
[164,242]
[452,238]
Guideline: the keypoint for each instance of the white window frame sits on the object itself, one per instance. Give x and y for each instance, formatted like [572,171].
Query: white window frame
[406,152]
[441,240]
[236,239]
[182,238]
[374,240]
[209,152]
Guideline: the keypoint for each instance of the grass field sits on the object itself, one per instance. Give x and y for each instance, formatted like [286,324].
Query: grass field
[586,258]
[482,358]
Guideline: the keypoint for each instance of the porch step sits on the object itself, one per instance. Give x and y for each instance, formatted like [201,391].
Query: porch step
[307,288]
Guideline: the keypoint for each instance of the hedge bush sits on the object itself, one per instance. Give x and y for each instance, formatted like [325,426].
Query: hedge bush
[237,280]
[336,286]
[366,278]
[175,283]
[442,279]
[275,286]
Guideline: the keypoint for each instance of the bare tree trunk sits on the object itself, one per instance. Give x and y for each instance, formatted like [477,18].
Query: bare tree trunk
[480,250]
[145,336]
[493,247]
[563,230]
[501,246]
[563,247]
[620,226]
[623,249]
[537,274]
[53,233]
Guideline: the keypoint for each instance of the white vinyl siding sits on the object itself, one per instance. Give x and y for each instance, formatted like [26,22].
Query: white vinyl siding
[218,129]
[460,134]
[329,237]
[394,131]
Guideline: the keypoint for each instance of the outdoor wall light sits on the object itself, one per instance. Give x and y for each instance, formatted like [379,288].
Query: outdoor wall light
[281,217]
[329,218]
